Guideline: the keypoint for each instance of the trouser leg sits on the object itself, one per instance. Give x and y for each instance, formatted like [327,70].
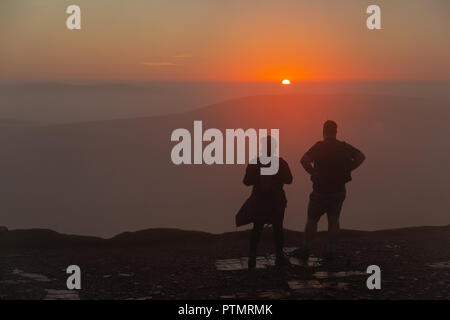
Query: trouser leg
[310,231]
[278,238]
[316,207]
[254,238]
[333,229]
[333,216]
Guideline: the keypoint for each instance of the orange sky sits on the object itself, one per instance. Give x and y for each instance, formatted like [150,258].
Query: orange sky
[225,40]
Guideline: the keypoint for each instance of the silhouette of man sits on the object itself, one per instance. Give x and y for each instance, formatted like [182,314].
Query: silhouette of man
[267,202]
[330,163]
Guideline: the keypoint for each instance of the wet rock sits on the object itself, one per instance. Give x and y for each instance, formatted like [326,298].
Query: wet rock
[273,294]
[33,276]
[440,265]
[311,262]
[142,298]
[53,294]
[340,274]
[304,284]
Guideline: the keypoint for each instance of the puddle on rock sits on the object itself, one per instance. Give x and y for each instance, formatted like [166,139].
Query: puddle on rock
[272,294]
[311,262]
[141,298]
[242,264]
[266,294]
[33,276]
[289,250]
[300,285]
[13,281]
[235,264]
[340,274]
[304,284]
[126,274]
[439,265]
[53,294]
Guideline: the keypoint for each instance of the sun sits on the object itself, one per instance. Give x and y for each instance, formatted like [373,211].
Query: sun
[286,82]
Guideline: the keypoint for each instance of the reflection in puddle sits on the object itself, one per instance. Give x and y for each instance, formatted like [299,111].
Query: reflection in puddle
[295,285]
[142,298]
[33,276]
[273,295]
[311,262]
[440,265]
[304,284]
[53,294]
[298,285]
[341,274]
[266,294]
[239,295]
[264,262]
[240,264]
[289,250]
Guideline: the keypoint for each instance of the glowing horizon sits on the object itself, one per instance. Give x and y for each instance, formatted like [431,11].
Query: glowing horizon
[233,41]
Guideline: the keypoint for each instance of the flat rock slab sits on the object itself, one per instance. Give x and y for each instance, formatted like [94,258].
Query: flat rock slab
[440,265]
[53,294]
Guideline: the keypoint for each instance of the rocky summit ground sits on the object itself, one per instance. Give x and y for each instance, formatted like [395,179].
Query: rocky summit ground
[176,264]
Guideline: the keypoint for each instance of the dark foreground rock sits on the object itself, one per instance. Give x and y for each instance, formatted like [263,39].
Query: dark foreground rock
[176,264]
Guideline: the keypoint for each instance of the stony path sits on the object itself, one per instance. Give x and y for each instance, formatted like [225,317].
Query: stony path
[415,265]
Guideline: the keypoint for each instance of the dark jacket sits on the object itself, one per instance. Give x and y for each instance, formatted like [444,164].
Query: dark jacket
[267,201]
[332,162]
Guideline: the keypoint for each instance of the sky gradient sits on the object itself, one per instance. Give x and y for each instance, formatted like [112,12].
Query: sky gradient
[204,40]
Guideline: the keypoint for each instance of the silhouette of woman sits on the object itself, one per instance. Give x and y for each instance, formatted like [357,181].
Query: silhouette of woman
[266,203]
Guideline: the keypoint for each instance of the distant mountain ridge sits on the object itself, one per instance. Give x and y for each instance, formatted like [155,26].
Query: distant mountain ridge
[45,238]
[101,177]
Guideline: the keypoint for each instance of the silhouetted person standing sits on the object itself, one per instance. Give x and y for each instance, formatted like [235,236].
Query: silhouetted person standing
[266,204]
[330,163]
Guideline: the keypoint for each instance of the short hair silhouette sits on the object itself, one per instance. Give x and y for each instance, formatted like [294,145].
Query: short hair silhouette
[330,127]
